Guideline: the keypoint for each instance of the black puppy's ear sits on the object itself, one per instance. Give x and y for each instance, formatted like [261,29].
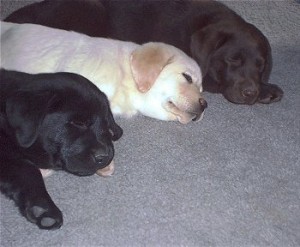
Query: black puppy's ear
[204,43]
[25,112]
[115,129]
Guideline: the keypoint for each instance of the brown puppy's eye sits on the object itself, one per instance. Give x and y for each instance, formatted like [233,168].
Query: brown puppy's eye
[188,78]
[234,61]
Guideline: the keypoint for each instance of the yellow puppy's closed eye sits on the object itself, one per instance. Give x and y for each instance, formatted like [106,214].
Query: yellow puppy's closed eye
[188,78]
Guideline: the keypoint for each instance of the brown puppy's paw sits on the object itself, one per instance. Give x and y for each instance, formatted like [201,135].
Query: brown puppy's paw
[270,93]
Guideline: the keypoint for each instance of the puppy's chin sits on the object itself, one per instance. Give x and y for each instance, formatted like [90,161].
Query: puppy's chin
[104,172]
[199,118]
[185,118]
[177,114]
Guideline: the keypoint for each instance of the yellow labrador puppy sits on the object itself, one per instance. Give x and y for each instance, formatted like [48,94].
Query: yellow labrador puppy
[154,79]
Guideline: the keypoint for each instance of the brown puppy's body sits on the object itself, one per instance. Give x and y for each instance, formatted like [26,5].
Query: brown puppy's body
[235,57]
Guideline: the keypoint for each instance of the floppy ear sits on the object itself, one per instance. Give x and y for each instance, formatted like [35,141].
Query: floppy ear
[146,62]
[204,43]
[25,112]
[115,129]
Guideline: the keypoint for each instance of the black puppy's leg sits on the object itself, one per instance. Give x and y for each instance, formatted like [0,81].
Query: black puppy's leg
[24,184]
[270,93]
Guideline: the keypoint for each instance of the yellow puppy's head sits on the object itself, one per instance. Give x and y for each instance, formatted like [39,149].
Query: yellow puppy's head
[170,81]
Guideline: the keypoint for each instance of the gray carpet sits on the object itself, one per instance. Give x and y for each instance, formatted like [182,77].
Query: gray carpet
[230,180]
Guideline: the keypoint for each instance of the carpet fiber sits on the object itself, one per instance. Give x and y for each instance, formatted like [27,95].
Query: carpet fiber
[230,180]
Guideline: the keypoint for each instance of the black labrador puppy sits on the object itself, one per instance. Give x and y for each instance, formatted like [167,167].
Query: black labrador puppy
[235,57]
[50,121]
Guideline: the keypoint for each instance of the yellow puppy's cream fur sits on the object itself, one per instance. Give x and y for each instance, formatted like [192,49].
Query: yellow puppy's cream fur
[142,79]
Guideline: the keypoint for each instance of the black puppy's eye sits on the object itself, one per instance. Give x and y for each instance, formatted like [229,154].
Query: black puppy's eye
[79,124]
[188,78]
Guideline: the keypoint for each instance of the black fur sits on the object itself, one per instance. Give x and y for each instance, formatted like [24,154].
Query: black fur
[235,56]
[51,121]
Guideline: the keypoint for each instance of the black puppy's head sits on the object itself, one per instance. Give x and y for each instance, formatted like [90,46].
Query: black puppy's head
[236,63]
[66,122]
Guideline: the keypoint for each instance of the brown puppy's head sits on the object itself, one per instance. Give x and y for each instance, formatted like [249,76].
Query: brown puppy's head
[236,63]
[170,83]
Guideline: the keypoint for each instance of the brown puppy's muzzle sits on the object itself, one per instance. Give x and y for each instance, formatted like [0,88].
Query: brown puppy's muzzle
[243,91]
[250,94]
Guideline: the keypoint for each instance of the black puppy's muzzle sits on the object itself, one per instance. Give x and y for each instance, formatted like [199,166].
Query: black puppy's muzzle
[102,157]
[203,106]
[87,164]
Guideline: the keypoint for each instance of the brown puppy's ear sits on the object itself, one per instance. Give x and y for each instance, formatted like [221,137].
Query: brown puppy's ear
[25,112]
[146,62]
[204,43]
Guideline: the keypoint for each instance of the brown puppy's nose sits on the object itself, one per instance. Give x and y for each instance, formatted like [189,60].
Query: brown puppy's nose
[249,93]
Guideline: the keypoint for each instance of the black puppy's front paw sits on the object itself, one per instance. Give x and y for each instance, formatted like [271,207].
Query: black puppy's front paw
[270,93]
[44,215]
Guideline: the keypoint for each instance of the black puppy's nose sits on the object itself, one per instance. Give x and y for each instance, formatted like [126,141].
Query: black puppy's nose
[249,93]
[100,156]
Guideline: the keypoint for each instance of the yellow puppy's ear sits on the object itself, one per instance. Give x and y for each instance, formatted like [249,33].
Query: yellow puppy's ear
[146,62]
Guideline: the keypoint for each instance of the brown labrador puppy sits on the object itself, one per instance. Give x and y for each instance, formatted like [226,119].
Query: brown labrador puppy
[235,56]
